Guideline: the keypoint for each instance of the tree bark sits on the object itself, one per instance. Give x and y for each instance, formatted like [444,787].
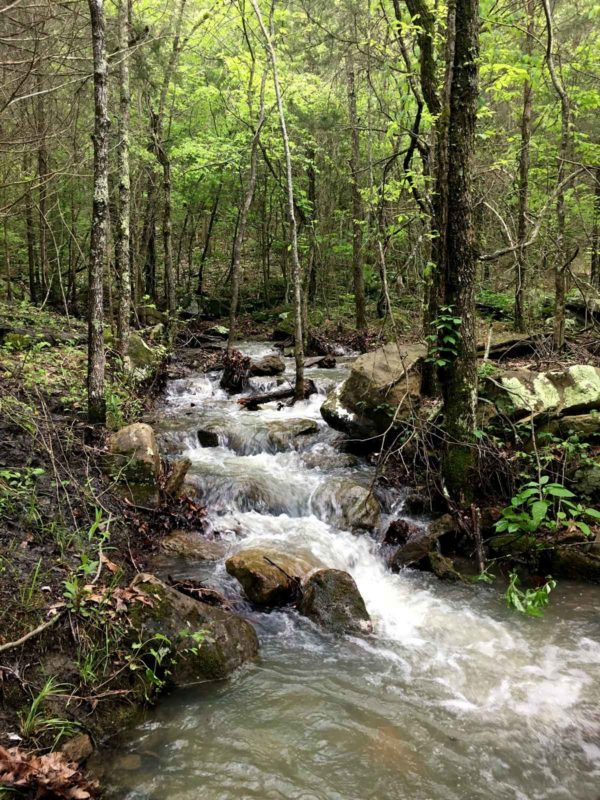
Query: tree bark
[595,260]
[523,181]
[560,258]
[459,375]
[122,254]
[357,266]
[96,355]
[243,220]
[296,271]
[207,240]
[30,236]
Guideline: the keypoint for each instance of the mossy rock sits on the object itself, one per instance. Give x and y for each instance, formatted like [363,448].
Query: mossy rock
[331,598]
[269,577]
[347,504]
[383,386]
[133,455]
[229,641]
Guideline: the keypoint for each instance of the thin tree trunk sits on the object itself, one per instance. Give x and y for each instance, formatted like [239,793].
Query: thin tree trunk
[206,247]
[30,235]
[42,157]
[7,269]
[357,266]
[561,261]
[459,375]
[96,355]
[595,260]
[296,271]
[523,185]
[122,251]
[243,219]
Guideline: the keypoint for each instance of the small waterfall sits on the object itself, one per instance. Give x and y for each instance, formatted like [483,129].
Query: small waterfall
[453,697]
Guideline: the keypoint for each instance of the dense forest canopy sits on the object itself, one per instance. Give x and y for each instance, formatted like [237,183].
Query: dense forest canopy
[396,161]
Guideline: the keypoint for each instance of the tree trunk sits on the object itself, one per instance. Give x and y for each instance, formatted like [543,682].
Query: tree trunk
[122,254]
[96,356]
[523,185]
[42,158]
[7,270]
[459,374]
[30,235]
[595,260]
[357,266]
[243,219]
[560,260]
[206,247]
[296,271]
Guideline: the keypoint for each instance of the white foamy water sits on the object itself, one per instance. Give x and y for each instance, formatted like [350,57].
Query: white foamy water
[453,697]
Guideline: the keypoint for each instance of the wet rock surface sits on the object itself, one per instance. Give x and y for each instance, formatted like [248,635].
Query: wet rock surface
[347,504]
[206,643]
[331,598]
[269,577]
[193,545]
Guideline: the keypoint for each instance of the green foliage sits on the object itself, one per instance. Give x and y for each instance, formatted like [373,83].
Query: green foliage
[529,601]
[443,345]
[33,720]
[541,506]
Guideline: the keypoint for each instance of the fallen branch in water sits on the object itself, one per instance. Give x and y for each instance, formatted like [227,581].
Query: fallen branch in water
[254,401]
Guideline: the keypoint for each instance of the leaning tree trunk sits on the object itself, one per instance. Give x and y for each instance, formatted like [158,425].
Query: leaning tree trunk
[122,254]
[561,261]
[358,277]
[96,401]
[296,271]
[459,374]
[523,184]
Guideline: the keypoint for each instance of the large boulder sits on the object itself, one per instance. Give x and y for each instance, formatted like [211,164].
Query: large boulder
[576,564]
[268,366]
[383,386]
[133,455]
[421,542]
[205,642]
[331,598]
[283,433]
[519,393]
[346,504]
[192,545]
[268,576]
[143,358]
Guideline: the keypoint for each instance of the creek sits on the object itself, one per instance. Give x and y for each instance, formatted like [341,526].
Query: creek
[453,697]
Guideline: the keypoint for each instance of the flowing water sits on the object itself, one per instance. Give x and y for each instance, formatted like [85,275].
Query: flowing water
[453,697]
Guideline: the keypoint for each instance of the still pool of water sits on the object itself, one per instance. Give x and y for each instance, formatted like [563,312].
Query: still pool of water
[453,697]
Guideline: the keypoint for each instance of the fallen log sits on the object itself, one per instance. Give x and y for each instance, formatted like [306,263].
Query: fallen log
[252,402]
[326,362]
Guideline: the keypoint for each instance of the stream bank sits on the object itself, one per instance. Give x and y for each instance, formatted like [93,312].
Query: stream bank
[451,696]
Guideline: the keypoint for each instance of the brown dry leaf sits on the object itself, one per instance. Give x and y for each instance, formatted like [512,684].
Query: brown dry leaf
[51,775]
[110,565]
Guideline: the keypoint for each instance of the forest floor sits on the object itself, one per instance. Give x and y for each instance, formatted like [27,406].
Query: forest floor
[70,543]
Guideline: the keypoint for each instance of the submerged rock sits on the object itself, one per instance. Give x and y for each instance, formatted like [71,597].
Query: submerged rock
[192,545]
[384,385]
[268,366]
[269,577]
[444,567]
[208,438]
[576,564]
[331,598]
[346,504]
[133,455]
[229,641]
[282,433]
[421,542]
